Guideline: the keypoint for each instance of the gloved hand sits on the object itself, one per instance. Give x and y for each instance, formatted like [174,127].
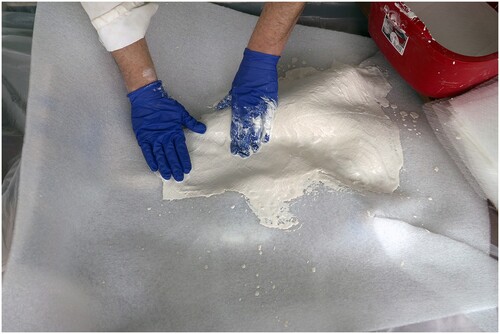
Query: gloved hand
[158,123]
[253,99]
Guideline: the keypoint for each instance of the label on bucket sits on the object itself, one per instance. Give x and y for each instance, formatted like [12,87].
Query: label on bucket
[391,28]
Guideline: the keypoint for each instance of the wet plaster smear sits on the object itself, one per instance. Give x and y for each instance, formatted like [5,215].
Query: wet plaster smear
[329,128]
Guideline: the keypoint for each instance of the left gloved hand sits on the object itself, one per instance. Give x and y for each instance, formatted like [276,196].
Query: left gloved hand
[253,99]
[158,123]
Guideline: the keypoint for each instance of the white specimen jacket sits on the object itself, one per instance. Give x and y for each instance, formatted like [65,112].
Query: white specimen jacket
[120,23]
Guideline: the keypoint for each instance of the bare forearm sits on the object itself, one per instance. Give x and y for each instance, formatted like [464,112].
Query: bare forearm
[135,64]
[275,24]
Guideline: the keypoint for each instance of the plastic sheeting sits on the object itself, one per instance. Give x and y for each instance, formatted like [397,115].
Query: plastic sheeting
[10,189]
[95,247]
[467,126]
[17,29]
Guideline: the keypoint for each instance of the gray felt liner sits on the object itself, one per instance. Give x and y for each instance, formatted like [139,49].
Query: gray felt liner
[88,255]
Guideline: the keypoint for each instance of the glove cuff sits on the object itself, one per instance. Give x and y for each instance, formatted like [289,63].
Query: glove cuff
[259,60]
[150,91]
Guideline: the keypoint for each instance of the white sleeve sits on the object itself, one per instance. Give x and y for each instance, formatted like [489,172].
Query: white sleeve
[119,23]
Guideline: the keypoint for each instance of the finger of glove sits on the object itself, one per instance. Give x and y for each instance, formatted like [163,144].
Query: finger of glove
[192,124]
[173,160]
[161,159]
[224,103]
[256,133]
[267,123]
[183,154]
[236,149]
[240,139]
[147,151]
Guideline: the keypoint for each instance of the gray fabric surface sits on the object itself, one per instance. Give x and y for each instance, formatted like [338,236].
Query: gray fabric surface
[486,320]
[95,247]
[479,321]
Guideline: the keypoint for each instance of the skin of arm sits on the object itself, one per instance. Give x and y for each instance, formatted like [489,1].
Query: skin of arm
[275,25]
[269,36]
[135,64]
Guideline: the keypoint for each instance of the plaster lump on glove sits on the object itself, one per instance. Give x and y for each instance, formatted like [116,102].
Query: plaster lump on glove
[329,128]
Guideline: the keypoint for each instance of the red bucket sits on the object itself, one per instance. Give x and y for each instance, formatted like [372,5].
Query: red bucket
[428,66]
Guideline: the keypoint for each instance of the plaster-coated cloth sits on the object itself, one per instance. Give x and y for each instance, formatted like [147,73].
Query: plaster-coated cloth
[96,247]
[329,129]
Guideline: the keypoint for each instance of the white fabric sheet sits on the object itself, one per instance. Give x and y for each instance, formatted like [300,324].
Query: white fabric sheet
[96,248]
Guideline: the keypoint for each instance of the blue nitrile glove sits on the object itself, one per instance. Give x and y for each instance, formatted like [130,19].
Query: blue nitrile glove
[253,99]
[158,123]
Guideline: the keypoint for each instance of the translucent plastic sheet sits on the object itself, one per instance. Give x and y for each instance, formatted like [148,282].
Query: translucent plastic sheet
[467,126]
[10,189]
[17,28]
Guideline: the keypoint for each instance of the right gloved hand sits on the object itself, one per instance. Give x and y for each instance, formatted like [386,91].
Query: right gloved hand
[253,99]
[158,123]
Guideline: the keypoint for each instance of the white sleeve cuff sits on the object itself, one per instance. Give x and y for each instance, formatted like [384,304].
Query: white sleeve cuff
[123,24]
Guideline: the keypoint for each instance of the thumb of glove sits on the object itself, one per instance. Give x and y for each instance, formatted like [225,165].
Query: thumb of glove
[192,124]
